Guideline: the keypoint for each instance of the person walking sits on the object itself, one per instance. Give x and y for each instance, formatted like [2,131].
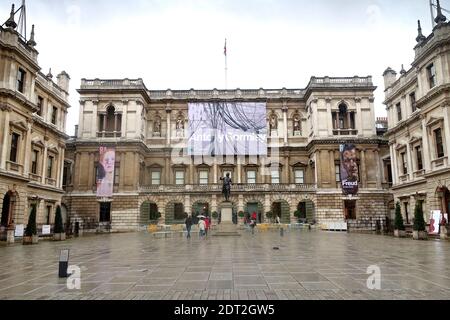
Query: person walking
[253,222]
[188,223]
[207,225]
[202,227]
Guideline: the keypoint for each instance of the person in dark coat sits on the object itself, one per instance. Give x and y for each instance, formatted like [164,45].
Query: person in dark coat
[188,223]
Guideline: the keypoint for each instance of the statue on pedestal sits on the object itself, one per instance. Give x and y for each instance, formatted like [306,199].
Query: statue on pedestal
[226,189]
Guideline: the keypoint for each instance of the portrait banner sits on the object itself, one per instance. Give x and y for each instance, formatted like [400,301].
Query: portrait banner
[105,172]
[349,169]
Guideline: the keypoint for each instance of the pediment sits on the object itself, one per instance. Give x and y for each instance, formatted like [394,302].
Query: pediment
[299,164]
[19,124]
[434,120]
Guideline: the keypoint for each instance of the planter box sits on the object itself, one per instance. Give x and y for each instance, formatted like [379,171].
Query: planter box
[399,233]
[59,236]
[420,235]
[30,240]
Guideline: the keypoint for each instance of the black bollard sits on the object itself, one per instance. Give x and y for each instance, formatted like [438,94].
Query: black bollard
[63,263]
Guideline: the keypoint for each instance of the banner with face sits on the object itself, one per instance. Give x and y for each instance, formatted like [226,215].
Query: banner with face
[349,169]
[105,172]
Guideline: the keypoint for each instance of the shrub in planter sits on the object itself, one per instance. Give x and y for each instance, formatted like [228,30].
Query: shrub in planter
[419,226]
[30,235]
[215,215]
[399,227]
[241,214]
[298,214]
[59,233]
[269,215]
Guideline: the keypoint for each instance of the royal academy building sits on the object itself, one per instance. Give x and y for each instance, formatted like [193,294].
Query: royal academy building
[418,104]
[33,109]
[141,140]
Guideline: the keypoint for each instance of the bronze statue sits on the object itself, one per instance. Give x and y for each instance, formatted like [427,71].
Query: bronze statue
[226,189]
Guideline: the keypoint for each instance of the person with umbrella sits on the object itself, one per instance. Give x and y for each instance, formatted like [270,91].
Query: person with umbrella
[202,226]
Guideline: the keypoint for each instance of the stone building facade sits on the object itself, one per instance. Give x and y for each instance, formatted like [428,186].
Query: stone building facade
[418,105]
[33,111]
[153,173]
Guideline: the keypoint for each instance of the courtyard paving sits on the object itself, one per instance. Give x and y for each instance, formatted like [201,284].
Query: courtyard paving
[308,265]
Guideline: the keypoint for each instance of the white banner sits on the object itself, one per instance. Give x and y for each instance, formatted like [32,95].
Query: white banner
[19,230]
[46,229]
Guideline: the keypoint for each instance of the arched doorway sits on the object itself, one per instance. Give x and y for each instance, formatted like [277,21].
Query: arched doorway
[8,208]
[280,208]
[254,206]
[175,213]
[307,211]
[149,213]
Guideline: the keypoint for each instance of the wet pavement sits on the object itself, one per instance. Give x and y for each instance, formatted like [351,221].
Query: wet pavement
[308,265]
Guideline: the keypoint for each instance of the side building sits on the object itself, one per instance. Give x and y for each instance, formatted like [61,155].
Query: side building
[33,111]
[418,105]
[153,173]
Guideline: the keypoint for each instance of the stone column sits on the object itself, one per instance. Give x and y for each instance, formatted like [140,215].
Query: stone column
[239,169]
[394,164]
[91,178]
[139,109]
[329,117]
[215,174]
[44,164]
[333,170]
[372,114]
[169,124]
[285,124]
[60,182]
[94,119]
[409,159]
[425,146]
[358,117]
[191,171]
[187,204]
[122,156]
[124,128]
[363,168]
[286,168]
[379,168]
[446,112]
[214,203]
[80,117]
[6,111]
[167,169]
[26,166]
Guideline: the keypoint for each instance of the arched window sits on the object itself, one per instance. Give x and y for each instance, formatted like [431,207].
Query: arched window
[110,123]
[343,121]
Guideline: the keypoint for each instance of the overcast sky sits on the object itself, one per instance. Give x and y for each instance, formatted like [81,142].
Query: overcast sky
[179,44]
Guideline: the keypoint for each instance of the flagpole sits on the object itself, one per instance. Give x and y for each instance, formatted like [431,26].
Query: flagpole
[226,66]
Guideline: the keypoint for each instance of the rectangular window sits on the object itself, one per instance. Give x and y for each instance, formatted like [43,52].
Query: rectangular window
[299,176]
[14,147]
[431,72]
[66,174]
[398,106]
[251,176]
[54,114]
[21,80]
[337,169]
[34,161]
[49,212]
[203,177]
[439,144]
[40,104]
[105,211]
[419,158]
[179,177]
[412,99]
[404,163]
[50,166]
[156,178]
[275,176]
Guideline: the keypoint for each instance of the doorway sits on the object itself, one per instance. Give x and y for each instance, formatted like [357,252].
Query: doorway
[350,209]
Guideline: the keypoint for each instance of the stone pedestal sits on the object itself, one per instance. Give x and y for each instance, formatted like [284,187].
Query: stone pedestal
[226,226]
[10,236]
[226,211]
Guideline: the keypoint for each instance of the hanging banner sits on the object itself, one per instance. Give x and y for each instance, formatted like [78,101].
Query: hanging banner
[105,172]
[349,169]
[435,218]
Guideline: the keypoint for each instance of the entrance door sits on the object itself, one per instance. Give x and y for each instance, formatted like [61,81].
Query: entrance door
[276,207]
[350,209]
[253,207]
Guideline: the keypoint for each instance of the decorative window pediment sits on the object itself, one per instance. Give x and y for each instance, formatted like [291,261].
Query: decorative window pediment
[19,125]
[38,143]
[415,139]
[433,120]
[299,164]
[400,146]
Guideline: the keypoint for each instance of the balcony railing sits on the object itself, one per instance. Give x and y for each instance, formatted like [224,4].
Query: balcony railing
[109,134]
[14,167]
[35,177]
[243,187]
[345,132]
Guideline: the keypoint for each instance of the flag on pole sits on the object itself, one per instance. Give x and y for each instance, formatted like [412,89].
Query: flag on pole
[225,48]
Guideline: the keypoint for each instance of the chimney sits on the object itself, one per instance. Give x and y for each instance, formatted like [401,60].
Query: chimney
[63,80]
[390,76]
